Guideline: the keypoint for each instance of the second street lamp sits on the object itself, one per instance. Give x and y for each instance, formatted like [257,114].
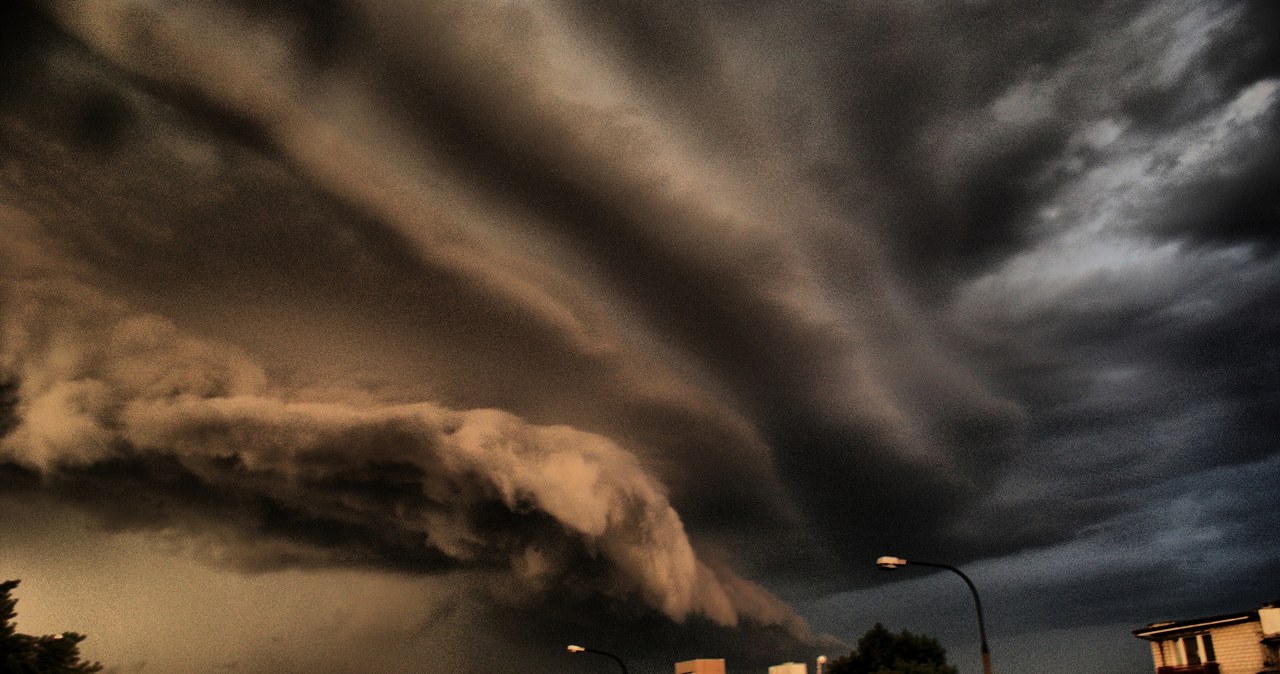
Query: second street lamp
[583,649]
[890,563]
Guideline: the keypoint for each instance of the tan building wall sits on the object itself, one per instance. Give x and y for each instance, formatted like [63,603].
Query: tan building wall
[1160,653]
[789,668]
[701,666]
[1238,648]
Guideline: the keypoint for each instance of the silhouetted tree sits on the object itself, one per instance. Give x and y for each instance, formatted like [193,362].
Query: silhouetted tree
[883,652]
[26,654]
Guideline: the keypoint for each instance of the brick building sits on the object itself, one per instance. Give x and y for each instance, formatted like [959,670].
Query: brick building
[1236,643]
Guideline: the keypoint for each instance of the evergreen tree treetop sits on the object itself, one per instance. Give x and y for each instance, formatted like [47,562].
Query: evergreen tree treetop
[27,654]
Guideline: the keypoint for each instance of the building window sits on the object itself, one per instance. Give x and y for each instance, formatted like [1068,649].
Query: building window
[1195,650]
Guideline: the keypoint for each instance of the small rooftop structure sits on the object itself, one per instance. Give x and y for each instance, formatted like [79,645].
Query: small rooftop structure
[701,666]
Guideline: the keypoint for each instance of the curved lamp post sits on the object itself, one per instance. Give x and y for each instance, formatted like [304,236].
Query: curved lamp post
[891,563]
[584,649]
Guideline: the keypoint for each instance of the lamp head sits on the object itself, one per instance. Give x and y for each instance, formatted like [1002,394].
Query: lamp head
[576,649]
[890,563]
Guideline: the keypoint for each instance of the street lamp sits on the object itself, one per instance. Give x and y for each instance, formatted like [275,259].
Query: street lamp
[583,649]
[891,563]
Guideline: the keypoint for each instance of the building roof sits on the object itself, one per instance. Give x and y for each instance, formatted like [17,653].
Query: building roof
[1155,630]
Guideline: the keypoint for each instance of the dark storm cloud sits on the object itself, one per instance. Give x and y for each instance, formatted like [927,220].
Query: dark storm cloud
[602,305]
[1176,395]
[254,240]
[326,30]
[23,28]
[226,244]
[1233,208]
[906,79]
[960,110]
[726,310]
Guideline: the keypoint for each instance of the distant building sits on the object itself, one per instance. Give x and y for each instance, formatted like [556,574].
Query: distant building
[702,666]
[789,668]
[1236,643]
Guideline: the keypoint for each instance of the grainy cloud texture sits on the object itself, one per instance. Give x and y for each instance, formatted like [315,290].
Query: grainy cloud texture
[433,336]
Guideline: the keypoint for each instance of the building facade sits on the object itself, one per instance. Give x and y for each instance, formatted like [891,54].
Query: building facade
[1236,643]
[789,668]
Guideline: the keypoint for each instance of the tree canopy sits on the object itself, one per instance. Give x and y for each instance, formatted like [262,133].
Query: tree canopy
[883,652]
[26,654]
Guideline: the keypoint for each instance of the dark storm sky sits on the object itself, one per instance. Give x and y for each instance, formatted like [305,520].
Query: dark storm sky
[440,334]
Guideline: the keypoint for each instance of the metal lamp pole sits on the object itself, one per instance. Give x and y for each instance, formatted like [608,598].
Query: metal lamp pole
[890,563]
[584,649]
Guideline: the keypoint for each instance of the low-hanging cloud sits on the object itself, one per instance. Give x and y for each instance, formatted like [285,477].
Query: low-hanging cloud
[98,386]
